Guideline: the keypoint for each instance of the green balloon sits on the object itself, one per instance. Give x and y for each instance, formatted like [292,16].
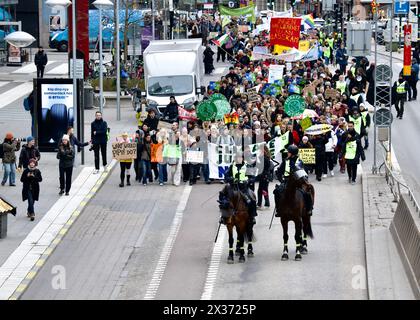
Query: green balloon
[294,105]
[206,111]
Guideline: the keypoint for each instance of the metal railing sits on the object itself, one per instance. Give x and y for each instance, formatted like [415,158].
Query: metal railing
[396,185]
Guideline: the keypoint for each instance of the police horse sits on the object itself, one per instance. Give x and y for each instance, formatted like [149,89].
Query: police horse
[291,206]
[236,215]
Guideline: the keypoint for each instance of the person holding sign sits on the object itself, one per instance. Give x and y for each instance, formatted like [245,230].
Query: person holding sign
[353,151]
[125,165]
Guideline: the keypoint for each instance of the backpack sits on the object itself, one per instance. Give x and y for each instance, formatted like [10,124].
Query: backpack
[1,151]
[26,104]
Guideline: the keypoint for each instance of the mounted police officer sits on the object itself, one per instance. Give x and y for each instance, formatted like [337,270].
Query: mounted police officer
[237,177]
[290,166]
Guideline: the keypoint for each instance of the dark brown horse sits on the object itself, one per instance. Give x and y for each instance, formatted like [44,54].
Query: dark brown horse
[238,219]
[290,206]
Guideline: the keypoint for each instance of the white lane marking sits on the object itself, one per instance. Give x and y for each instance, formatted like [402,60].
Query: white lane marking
[16,93]
[3,83]
[166,251]
[214,265]
[61,69]
[30,68]
[24,258]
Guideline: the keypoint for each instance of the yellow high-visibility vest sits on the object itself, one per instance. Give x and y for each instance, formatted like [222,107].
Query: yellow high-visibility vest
[401,88]
[351,148]
[357,123]
[242,173]
[364,115]
[287,168]
[341,86]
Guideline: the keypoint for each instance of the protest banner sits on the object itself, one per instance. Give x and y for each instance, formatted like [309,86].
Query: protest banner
[304,45]
[184,114]
[275,72]
[220,158]
[330,93]
[285,32]
[307,155]
[124,150]
[238,12]
[193,156]
[305,123]
[156,152]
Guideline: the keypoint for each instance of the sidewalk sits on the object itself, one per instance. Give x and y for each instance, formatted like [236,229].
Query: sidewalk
[386,275]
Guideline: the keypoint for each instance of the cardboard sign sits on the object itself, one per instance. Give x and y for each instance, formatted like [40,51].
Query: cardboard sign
[309,91]
[330,93]
[124,151]
[275,72]
[193,156]
[307,155]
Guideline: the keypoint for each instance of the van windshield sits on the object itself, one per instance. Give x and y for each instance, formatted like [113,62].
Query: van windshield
[170,85]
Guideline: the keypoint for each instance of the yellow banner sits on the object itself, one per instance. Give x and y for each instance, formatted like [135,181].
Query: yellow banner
[304,45]
[307,155]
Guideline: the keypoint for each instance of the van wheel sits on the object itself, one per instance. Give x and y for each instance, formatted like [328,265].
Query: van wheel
[59,121]
[63,46]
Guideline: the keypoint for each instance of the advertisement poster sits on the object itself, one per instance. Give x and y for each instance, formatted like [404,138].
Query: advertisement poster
[407,50]
[54,112]
[285,32]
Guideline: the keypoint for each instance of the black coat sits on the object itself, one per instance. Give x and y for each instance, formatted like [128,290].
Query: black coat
[152,123]
[360,153]
[101,128]
[66,156]
[171,111]
[75,142]
[41,59]
[27,154]
[31,183]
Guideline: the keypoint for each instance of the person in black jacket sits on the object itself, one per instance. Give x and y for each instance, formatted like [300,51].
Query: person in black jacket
[151,121]
[318,143]
[41,61]
[28,152]
[171,110]
[66,156]
[31,178]
[73,139]
[208,60]
[264,180]
[99,138]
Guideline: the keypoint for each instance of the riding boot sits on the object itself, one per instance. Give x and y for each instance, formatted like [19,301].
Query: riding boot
[128,180]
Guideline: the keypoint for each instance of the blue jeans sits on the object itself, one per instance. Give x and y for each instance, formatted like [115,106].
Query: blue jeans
[9,172]
[31,202]
[145,164]
[163,173]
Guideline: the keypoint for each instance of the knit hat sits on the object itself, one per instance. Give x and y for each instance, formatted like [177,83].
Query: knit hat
[9,136]
[65,137]
[29,139]
[305,138]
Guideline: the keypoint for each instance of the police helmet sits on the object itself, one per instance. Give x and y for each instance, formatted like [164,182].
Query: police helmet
[292,149]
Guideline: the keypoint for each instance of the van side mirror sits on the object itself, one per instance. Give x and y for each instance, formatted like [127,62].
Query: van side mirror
[201,90]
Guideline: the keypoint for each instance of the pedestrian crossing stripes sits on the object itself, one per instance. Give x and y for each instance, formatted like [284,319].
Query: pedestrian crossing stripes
[61,69]
[15,93]
[30,68]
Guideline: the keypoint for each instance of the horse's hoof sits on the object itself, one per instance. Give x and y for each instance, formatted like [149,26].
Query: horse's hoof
[284,257]
[242,259]
[298,257]
[230,260]
[304,250]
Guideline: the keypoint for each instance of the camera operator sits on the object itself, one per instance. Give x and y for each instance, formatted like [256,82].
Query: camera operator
[28,152]
[10,146]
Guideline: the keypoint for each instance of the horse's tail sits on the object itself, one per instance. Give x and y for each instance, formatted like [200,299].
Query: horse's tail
[307,227]
[249,234]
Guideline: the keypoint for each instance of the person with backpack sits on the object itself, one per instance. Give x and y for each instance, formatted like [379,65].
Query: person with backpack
[28,105]
[66,155]
[29,151]
[31,177]
[7,151]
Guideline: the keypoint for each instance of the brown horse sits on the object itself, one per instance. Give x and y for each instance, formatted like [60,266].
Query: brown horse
[290,206]
[239,219]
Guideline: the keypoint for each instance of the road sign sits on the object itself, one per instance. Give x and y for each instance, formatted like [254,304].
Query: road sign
[383,117]
[401,7]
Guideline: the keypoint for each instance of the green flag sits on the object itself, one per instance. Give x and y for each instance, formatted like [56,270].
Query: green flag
[249,10]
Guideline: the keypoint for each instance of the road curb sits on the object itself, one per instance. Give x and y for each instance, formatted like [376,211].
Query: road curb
[61,234]
[367,238]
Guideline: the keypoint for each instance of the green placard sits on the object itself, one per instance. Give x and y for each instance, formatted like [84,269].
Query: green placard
[223,107]
[217,96]
[305,123]
[206,111]
[294,105]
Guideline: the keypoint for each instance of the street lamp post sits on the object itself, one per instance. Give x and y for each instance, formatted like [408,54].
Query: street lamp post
[117,25]
[66,3]
[101,5]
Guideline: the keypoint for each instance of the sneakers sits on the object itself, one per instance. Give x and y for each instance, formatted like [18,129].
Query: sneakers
[353,183]
[95,171]
[61,192]
[161,184]
[332,173]
[324,175]
[67,194]
[12,185]
[121,185]
[3,183]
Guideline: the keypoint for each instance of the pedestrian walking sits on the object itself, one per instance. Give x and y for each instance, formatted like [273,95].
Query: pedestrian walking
[146,158]
[41,61]
[65,154]
[31,177]
[353,151]
[10,146]
[400,90]
[264,180]
[161,141]
[99,138]
[208,60]
[414,78]
[28,152]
